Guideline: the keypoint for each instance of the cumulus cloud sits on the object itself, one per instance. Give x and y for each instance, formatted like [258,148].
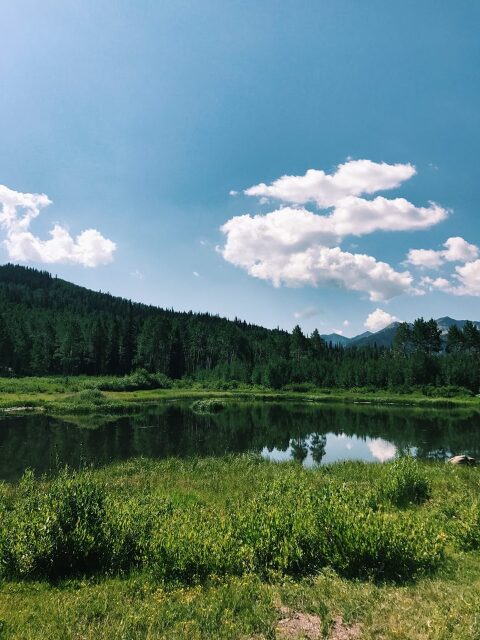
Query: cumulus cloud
[456,250]
[295,246]
[428,258]
[308,312]
[17,212]
[291,246]
[465,281]
[352,178]
[356,216]
[468,276]
[273,257]
[378,320]
[459,250]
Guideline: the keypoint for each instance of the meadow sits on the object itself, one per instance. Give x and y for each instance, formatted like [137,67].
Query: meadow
[227,548]
[116,394]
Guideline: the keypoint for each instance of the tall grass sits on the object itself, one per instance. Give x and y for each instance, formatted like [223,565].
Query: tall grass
[76,525]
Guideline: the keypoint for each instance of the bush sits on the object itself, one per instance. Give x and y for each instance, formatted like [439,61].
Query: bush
[292,529]
[75,527]
[448,391]
[300,387]
[208,406]
[468,527]
[57,532]
[406,482]
[88,396]
[138,380]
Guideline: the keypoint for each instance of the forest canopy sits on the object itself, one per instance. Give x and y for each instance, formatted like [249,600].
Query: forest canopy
[50,326]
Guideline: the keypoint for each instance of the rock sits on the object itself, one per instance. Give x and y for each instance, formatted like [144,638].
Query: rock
[468,460]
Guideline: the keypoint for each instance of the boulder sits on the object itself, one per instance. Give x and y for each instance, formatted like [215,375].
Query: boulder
[468,460]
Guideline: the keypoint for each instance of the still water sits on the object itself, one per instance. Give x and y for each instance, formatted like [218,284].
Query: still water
[310,434]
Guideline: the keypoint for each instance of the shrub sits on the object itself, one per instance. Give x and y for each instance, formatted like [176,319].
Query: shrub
[136,381]
[208,406]
[292,527]
[406,482]
[57,532]
[89,396]
[468,527]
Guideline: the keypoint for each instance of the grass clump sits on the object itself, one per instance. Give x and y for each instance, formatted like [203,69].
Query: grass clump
[210,405]
[406,482]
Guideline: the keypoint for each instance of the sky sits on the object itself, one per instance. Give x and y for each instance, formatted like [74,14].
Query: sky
[310,162]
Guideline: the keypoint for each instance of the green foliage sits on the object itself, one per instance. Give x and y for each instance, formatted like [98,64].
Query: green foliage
[51,327]
[89,396]
[56,532]
[406,482]
[468,526]
[138,380]
[211,405]
[73,526]
[145,603]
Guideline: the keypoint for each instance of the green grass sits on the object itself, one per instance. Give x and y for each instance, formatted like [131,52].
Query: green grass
[73,395]
[397,550]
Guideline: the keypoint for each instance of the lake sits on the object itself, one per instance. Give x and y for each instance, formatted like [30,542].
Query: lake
[309,433]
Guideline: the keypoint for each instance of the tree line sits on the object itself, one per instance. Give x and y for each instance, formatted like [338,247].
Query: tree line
[49,326]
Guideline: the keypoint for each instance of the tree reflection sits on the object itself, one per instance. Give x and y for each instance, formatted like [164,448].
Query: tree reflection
[318,443]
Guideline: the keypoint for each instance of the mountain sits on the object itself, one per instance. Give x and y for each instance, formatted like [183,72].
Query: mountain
[385,337]
[335,339]
[382,338]
[445,323]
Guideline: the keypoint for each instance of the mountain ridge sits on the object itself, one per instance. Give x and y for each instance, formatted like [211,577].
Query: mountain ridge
[384,337]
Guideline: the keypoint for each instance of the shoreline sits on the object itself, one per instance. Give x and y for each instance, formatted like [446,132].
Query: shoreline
[90,400]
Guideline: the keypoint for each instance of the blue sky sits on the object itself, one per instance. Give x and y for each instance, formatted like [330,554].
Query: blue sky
[137,120]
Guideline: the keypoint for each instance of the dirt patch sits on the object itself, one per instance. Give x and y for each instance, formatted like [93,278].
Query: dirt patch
[297,625]
[341,631]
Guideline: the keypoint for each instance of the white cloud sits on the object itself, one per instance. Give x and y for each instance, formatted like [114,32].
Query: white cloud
[352,178]
[232,192]
[459,250]
[18,210]
[308,312]
[379,319]
[468,275]
[318,265]
[356,216]
[196,274]
[295,247]
[381,449]
[456,250]
[290,246]
[136,273]
[346,323]
[425,258]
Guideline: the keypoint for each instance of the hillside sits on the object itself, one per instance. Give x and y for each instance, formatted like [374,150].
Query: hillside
[50,326]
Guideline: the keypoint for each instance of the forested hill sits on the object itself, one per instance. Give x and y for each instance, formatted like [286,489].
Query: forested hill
[50,326]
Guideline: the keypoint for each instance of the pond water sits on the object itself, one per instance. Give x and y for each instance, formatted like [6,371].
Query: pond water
[309,433]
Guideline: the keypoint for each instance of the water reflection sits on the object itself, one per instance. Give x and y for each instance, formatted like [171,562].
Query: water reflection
[310,434]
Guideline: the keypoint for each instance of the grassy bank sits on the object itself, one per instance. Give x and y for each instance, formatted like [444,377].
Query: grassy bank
[227,548]
[84,394]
